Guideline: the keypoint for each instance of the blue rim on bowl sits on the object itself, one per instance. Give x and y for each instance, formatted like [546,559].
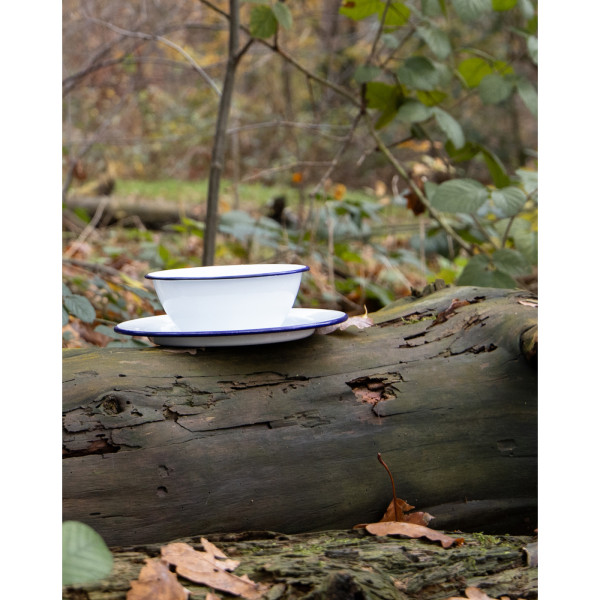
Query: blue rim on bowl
[227,272]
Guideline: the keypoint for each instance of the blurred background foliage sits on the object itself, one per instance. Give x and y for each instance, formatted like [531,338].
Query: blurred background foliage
[449,87]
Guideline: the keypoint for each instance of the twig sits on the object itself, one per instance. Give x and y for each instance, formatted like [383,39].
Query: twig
[416,189]
[89,228]
[166,42]
[393,486]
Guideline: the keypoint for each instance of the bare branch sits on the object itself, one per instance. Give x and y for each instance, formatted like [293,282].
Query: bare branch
[163,40]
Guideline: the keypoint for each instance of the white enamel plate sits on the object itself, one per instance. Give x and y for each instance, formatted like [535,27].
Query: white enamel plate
[300,323]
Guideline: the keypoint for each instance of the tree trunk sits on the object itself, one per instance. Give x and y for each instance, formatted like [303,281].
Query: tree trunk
[162,443]
[349,564]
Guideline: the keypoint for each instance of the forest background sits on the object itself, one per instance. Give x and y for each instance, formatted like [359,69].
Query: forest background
[33,247]
[386,144]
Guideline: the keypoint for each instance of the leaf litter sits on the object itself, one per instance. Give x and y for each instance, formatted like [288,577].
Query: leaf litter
[210,567]
[473,593]
[397,520]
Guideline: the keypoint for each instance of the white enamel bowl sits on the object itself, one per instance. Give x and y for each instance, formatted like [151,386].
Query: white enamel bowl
[226,298]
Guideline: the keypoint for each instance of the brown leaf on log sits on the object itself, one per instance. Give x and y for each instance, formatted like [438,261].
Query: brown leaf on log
[206,568]
[401,509]
[411,530]
[444,315]
[156,582]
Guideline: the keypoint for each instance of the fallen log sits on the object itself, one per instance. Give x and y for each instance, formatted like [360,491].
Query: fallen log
[161,443]
[347,564]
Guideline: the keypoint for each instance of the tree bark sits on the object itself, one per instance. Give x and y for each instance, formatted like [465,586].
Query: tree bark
[160,444]
[349,564]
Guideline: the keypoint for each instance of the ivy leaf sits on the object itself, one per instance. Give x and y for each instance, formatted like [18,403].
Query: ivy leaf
[509,200]
[283,14]
[480,271]
[494,88]
[85,556]
[80,307]
[437,40]
[460,196]
[469,10]
[450,126]
[473,70]
[263,23]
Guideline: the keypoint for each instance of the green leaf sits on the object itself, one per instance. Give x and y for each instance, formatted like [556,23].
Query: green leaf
[263,23]
[418,72]
[109,331]
[430,189]
[496,168]
[528,95]
[450,126]
[365,73]
[501,5]
[529,180]
[359,9]
[433,8]
[494,89]
[283,14]
[80,307]
[65,290]
[432,98]
[65,316]
[85,556]
[460,196]
[437,40]
[397,14]
[532,48]
[509,200]
[467,152]
[385,98]
[469,10]
[413,111]
[482,272]
[473,70]
[511,262]
[525,238]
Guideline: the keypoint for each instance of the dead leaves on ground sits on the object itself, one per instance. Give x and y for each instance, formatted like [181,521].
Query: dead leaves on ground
[211,568]
[397,520]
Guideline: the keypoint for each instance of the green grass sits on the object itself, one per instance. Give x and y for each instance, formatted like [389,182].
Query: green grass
[174,190]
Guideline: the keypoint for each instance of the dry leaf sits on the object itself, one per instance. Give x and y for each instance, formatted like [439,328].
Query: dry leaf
[402,508]
[156,582]
[410,530]
[205,568]
[211,596]
[448,312]
[360,322]
[532,303]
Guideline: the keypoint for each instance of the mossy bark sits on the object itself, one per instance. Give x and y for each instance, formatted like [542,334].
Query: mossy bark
[338,565]
[160,444]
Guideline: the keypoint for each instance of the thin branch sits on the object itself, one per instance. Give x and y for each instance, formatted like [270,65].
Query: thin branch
[166,42]
[279,50]
[416,189]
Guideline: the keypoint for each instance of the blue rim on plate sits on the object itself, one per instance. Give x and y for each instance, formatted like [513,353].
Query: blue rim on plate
[339,317]
[174,277]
